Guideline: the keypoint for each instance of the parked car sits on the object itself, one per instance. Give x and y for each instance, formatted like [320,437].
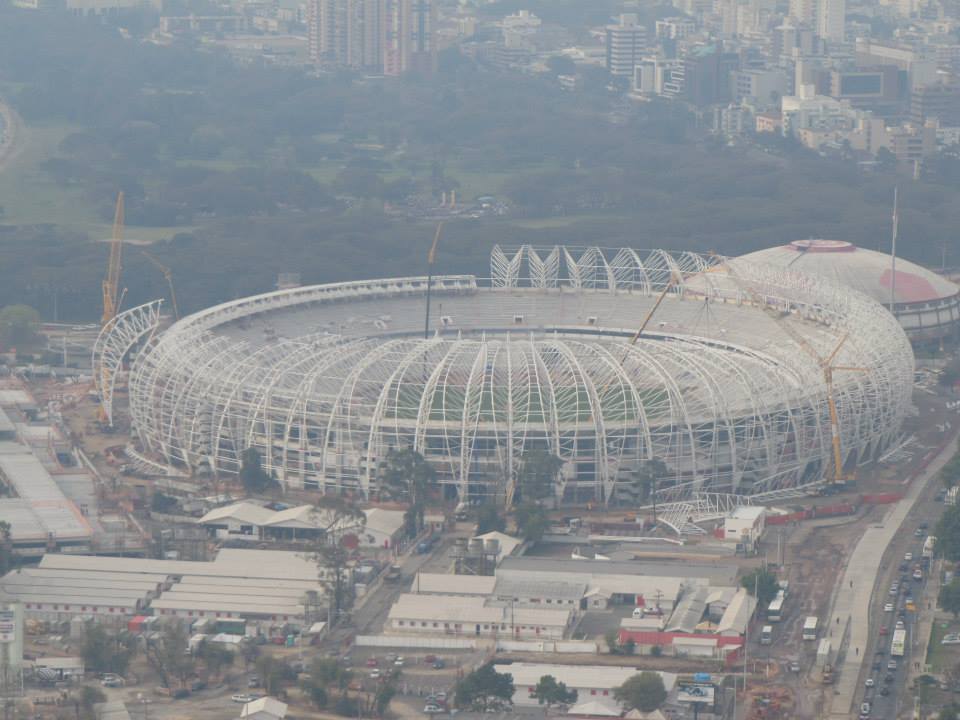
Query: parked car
[950,639]
[198,685]
[243,698]
[432,709]
[372,662]
[794,666]
[112,681]
[908,557]
[888,607]
[438,664]
[180,694]
[375,674]
[399,662]
[884,629]
[892,665]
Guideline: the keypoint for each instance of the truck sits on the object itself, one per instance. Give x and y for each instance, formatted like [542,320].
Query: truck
[826,676]
[823,653]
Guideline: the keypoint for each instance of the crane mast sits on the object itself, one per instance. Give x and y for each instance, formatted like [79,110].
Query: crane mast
[825,363]
[168,276]
[111,284]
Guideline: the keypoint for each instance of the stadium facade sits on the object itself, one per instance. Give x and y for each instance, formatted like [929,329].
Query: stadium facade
[725,385]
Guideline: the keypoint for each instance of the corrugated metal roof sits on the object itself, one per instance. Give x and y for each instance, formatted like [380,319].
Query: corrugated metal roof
[534,588]
[473,609]
[439,583]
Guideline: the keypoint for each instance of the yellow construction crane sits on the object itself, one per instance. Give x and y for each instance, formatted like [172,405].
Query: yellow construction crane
[168,275]
[111,284]
[825,363]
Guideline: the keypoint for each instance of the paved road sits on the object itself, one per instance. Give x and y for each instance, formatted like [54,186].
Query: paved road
[852,604]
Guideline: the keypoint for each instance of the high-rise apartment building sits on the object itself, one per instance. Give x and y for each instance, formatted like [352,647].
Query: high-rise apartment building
[409,36]
[388,36]
[626,42]
[831,20]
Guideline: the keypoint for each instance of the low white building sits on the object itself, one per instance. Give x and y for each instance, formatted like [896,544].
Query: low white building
[472,616]
[745,524]
[592,682]
[383,528]
[265,708]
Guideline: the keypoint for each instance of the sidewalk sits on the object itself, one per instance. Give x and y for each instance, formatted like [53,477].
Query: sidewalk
[852,602]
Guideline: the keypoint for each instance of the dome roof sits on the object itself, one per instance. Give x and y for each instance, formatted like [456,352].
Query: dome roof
[865,270]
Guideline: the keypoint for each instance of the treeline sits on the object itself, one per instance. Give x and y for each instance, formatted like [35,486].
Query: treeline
[282,171]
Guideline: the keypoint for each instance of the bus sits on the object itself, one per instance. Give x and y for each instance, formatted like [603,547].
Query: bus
[766,635]
[810,628]
[775,609]
[898,644]
[928,546]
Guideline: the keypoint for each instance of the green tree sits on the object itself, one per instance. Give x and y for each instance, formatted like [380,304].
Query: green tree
[275,673]
[646,479]
[215,657]
[644,691]
[538,474]
[484,688]
[406,475]
[103,652]
[89,696]
[19,325]
[762,583]
[335,518]
[950,473]
[949,597]
[318,696]
[947,533]
[347,707]
[612,638]
[949,712]
[489,519]
[532,521]
[550,692]
[168,655]
[325,672]
[6,547]
[254,478]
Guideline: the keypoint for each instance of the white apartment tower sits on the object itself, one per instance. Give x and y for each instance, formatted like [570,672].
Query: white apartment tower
[831,20]
[626,42]
[826,17]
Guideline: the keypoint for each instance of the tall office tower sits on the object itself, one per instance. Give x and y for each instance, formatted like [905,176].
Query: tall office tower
[409,38]
[831,20]
[626,42]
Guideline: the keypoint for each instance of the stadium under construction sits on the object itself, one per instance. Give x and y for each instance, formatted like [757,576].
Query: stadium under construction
[740,377]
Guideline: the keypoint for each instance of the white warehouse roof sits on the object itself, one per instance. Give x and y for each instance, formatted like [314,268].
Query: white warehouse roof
[460,609]
[578,676]
[443,584]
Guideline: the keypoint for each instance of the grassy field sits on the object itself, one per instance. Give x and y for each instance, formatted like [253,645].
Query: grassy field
[941,657]
[28,195]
